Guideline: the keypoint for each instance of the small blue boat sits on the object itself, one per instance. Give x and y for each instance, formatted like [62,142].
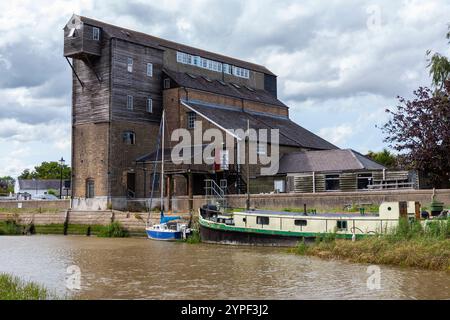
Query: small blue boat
[163,231]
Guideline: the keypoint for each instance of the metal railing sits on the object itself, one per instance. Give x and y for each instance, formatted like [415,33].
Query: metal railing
[215,194]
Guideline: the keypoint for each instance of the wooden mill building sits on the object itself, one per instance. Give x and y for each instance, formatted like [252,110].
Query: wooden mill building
[122,80]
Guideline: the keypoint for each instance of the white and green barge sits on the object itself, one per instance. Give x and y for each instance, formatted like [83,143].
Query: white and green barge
[271,228]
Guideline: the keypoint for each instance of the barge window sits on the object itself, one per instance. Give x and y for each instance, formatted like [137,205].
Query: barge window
[300,223]
[342,225]
[262,220]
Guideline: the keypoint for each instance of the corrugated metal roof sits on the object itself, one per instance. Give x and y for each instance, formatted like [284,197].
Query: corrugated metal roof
[223,88]
[326,160]
[139,37]
[291,134]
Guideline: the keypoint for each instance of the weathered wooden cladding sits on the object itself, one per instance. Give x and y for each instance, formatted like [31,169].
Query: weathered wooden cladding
[136,83]
[82,42]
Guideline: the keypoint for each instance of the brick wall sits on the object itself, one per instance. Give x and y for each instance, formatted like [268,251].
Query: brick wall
[30,204]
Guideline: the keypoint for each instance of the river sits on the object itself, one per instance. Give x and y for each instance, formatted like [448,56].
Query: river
[143,269]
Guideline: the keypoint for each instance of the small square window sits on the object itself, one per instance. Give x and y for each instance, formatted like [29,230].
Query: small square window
[191,117]
[95,33]
[150,69]
[149,105]
[130,64]
[130,102]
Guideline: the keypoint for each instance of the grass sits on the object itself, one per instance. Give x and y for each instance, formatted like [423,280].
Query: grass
[113,230]
[410,244]
[10,227]
[13,288]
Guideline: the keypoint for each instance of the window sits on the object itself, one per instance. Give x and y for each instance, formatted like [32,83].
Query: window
[279,186]
[227,68]
[301,223]
[261,149]
[364,180]
[200,62]
[191,116]
[150,69]
[95,33]
[249,89]
[129,137]
[130,102]
[222,83]
[332,182]
[130,64]
[342,225]
[167,83]
[90,189]
[241,72]
[262,220]
[149,105]
[236,85]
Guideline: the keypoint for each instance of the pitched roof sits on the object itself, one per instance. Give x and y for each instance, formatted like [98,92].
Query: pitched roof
[30,184]
[222,88]
[326,160]
[139,37]
[291,134]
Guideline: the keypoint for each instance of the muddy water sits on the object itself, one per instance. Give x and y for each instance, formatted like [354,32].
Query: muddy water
[145,269]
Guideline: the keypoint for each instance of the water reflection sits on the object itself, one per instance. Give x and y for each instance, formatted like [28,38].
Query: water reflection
[144,269]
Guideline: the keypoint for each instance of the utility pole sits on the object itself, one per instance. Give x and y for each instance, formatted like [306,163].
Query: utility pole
[247,159]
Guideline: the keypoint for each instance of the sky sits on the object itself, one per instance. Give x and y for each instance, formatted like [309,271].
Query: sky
[340,64]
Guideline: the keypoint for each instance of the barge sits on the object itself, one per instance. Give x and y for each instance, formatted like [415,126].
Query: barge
[271,228]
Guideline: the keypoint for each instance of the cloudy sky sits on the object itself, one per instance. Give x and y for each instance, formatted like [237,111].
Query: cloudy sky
[340,63]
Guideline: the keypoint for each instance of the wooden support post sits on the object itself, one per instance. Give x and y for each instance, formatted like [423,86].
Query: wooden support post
[190,186]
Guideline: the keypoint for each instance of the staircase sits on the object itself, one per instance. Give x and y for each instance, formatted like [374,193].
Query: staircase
[216,194]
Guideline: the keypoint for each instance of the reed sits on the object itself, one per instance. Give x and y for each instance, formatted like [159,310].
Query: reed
[410,244]
[113,230]
[13,288]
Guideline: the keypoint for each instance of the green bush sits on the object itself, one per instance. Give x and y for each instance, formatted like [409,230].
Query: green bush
[194,238]
[113,230]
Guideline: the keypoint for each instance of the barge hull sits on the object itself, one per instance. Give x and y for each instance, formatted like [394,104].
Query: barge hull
[210,235]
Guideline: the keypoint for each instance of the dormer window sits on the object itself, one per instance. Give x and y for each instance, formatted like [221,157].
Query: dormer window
[95,33]
[71,33]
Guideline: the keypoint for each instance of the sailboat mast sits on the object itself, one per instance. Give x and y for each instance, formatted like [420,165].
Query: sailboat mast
[162,162]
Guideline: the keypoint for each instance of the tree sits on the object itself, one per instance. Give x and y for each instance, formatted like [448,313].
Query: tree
[385,157]
[419,130]
[47,170]
[7,184]
[439,67]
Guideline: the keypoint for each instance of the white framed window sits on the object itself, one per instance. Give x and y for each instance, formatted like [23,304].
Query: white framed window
[191,117]
[130,64]
[149,105]
[279,186]
[150,69]
[241,72]
[130,102]
[227,68]
[95,33]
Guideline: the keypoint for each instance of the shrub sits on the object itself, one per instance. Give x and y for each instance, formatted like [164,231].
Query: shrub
[113,230]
